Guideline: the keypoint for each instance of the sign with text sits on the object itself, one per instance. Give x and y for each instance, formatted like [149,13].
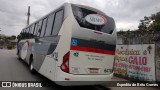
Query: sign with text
[136,61]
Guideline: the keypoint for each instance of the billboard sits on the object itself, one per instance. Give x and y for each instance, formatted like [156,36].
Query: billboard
[136,61]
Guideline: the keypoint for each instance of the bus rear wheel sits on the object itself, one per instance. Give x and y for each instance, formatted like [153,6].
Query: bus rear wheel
[31,65]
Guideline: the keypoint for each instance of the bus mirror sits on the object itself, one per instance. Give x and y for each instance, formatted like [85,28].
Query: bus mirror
[19,37]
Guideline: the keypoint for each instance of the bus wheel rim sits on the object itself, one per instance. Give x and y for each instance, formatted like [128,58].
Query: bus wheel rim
[31,67]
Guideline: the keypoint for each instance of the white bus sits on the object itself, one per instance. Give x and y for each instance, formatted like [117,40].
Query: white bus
[72,43]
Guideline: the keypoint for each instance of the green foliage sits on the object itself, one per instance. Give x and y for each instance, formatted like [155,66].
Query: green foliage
[1,42]
[121,32]
[13,37]
[151,23]
[9,46]
[144,23]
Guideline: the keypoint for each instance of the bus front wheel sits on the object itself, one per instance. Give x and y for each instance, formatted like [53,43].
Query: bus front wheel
[18,54]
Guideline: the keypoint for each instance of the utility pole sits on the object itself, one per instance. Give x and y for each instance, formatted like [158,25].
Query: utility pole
[28,15]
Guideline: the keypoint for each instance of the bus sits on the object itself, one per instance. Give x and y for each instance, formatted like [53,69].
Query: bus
[72,43]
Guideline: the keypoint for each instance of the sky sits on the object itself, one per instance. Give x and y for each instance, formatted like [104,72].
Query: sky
[126,13]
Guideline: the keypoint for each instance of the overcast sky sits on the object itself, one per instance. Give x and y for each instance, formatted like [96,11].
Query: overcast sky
[127,13]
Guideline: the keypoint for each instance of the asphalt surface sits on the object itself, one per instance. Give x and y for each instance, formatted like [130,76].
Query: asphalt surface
[12,69]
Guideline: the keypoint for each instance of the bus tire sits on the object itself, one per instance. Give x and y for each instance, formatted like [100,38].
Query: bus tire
[31,68]
[18,54]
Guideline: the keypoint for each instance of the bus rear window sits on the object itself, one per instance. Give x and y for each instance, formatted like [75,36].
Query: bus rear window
[94,20]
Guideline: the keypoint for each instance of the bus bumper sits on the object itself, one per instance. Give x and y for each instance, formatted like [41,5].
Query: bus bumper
[74,80]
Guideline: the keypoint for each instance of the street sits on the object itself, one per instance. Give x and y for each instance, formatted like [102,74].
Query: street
[12,69]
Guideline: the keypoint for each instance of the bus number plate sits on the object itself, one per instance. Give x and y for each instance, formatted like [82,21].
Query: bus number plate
[93,70]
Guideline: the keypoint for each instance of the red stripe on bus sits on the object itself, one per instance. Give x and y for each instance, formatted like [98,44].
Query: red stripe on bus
[97,32]
[94,50]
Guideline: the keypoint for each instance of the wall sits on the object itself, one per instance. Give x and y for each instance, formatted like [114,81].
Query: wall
[157,61]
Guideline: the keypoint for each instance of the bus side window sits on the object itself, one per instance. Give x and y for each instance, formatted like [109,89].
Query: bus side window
[32,33]
[28,33]
[49,25]
[39,28]
[58,22]
[21,34]
[24,34]
[43,27]
[35,30]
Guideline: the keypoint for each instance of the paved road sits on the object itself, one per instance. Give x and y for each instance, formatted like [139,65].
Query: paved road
[12,69]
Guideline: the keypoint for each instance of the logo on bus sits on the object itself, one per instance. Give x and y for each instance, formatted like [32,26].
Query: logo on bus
[26,45]
[96,19]
[74,42]
[76,54]
[25,49]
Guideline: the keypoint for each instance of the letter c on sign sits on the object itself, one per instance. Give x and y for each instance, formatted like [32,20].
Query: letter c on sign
[130,59]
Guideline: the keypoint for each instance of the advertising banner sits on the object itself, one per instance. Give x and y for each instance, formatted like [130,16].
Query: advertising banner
[136,61]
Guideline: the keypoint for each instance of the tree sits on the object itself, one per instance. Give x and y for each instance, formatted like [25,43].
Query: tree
[155,26]
[144,24]
[13,37]
[151,23]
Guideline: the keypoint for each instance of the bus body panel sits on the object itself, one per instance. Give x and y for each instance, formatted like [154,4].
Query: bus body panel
[65,39]
[57,56]
[90,63]
[25,49]
[30,50]
[43,47]
[48,68]
[80,79]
